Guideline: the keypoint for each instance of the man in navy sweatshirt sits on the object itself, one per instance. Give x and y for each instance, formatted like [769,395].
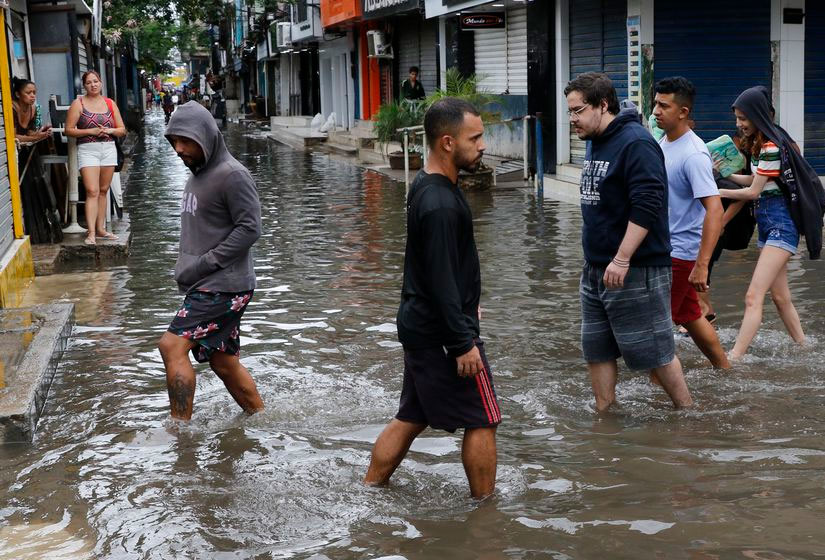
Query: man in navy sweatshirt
[626,280]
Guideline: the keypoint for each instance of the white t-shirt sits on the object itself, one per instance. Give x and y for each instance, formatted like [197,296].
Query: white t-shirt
[689,178]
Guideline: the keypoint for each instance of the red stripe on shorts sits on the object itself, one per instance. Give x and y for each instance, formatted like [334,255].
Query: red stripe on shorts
[482,393]
[489,395]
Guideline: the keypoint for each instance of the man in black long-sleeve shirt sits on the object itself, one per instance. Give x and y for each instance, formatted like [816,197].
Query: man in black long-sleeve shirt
[447,380]
[626,281]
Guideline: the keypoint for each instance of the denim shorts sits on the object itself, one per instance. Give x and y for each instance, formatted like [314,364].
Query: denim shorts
[632,322]
[775,225]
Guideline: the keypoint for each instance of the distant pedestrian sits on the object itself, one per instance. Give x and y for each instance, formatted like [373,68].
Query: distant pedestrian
[775,165]
[447,380]
[695,212]
[168,106]
[411,88]
[95,121]
[220,221]
[625,283]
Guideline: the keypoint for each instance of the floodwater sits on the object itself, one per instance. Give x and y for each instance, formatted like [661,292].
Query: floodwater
[742,475]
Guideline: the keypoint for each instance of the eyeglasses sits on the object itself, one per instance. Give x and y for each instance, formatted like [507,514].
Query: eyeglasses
[574,114]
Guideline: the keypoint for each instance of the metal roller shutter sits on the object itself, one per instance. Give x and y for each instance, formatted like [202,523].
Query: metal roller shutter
[815,85]
[6,219]
[417,43]
[517,51]
[598,43]
[428,52]
[711,46]
[82,56]
[508,74]
[490,65]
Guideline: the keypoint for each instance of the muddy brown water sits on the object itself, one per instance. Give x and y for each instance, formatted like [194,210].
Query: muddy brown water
[742,475]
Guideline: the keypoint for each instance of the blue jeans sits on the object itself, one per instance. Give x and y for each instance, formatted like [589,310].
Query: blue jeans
[774,223]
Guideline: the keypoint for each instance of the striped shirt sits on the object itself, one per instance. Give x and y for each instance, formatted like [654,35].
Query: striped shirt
[769,165]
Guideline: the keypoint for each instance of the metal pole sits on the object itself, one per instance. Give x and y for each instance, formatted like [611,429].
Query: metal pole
[424,149]
[524,147]
[406,160]
[539,158]
[73,226]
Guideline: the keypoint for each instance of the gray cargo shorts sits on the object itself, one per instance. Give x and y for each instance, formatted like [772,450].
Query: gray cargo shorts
[633,322]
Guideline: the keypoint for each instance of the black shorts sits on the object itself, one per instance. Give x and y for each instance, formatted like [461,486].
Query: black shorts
[213,321]
[434,393]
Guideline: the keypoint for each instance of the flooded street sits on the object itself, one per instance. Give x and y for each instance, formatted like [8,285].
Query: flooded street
[742,475]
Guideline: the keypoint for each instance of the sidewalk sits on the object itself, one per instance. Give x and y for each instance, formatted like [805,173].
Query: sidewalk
[48,258]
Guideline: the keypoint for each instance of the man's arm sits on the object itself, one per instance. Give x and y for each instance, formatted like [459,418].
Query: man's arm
[245,210]
[616,271]
[711,230]
[699,171]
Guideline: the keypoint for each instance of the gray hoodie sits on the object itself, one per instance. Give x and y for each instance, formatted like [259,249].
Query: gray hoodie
[220,212]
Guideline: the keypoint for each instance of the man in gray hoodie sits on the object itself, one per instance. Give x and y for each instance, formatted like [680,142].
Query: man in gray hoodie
[220,221]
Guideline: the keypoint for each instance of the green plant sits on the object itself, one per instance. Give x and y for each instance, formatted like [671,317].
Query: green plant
[394,115]
[467,88]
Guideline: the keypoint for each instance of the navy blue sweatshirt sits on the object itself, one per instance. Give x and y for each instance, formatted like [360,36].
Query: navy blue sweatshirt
[624,180]
[442,275]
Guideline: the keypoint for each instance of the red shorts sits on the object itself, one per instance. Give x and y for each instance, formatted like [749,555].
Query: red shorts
[684,303]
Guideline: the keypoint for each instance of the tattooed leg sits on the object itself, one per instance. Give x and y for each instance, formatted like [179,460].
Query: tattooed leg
[180,375]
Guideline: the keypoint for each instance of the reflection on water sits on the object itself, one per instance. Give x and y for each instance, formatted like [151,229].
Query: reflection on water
[740,476]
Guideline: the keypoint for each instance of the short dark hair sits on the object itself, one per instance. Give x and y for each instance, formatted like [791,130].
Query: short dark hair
[413,69]
[682,89]
[445,116]
[595,87]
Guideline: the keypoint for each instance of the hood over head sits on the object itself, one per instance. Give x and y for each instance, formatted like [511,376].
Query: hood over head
[192,120]
[625,116]
[755,102]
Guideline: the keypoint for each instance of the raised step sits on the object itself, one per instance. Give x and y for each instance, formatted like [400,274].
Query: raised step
[343,149]
[298,138]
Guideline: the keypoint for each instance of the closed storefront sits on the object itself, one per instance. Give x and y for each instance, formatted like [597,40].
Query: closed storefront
[722,46]
[815,85]
[417,41]
[503,74]
[6,216]
[598,43]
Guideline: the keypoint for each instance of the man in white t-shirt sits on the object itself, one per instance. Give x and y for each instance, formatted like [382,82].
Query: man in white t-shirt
[695,212]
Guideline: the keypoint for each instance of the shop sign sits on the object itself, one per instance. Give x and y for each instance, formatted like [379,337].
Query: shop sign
[482,20]
[335,12]
[381,8]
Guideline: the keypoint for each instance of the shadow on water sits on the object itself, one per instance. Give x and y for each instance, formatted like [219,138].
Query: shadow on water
[109,476]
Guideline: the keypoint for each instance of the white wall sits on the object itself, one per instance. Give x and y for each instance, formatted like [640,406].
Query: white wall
[789,100]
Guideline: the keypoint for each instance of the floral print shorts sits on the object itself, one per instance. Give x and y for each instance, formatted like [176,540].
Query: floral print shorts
[213,321]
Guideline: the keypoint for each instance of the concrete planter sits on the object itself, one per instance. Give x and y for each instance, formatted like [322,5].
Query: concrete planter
[397,160]
[482,180]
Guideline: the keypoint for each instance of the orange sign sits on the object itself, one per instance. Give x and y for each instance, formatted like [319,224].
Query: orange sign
[334,12]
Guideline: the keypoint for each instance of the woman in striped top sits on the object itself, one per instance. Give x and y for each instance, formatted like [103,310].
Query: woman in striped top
[95,120]
[778,235]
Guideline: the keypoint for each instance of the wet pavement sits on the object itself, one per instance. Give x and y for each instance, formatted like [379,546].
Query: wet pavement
[108,476]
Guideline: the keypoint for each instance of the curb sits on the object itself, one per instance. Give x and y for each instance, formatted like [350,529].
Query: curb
[23,399]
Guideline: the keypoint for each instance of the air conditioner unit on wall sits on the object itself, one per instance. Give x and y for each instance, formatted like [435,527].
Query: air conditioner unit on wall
[283,34]
[377,45]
